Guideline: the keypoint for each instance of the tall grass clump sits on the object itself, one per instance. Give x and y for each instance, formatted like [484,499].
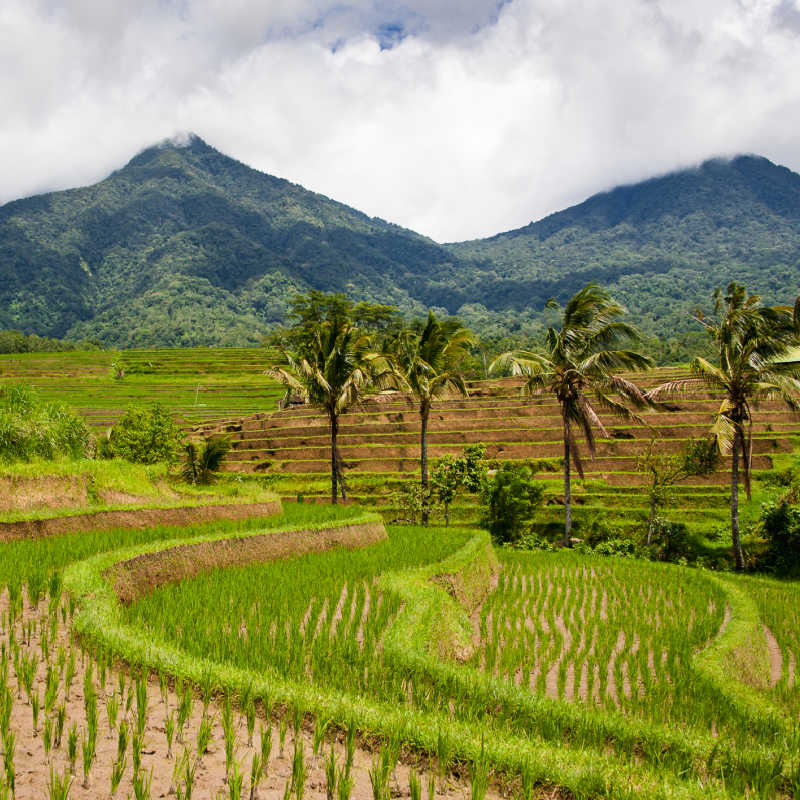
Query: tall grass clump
[31,428]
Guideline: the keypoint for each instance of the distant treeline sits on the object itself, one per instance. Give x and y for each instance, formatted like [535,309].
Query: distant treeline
[12,341]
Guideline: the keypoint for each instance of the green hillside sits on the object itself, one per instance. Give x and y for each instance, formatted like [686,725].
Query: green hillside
[661,246]
[185,246]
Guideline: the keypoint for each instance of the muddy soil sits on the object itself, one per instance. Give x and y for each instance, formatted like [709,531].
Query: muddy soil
[33,764]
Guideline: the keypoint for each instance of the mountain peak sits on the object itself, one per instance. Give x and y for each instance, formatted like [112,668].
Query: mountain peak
[183,139]
[183,142]
[727,190]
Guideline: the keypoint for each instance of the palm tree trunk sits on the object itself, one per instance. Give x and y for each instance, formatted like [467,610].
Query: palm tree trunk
[567,491]
[424,411]
[737,542]
[334,422]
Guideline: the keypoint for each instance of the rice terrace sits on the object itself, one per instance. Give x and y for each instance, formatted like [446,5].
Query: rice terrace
[230,573]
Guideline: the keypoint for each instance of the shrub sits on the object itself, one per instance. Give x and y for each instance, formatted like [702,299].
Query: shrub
[450,474]
[30,428]
[625,548]
[780,526]
[145,436]
[201,463]
[533,541]
[511,497]
[598,529]
[408,499]
[670,540]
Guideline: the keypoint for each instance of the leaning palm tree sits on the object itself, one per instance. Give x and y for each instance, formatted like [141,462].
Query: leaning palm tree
[579,368]
[333,370]
[755,363]
[428,363]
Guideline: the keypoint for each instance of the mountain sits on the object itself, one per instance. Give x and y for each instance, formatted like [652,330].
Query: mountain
[661,246]
[185,245]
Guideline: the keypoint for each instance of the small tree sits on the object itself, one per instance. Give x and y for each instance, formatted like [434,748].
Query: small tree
[145,436]
[450,474]
[664,470]
[511,497]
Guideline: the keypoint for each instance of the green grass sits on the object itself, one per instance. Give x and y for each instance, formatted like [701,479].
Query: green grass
[317,615]
[90,486]
[426,722]
[198,385]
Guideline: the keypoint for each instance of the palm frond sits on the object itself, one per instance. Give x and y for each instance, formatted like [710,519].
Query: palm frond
[588,419]
[617,408]
[713,377]
[673,389]
[723,430]
[604,361]
[629,390]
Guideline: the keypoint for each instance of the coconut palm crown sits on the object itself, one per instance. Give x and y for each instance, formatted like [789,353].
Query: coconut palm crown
[428,363]
[755,363]
[333,370]
[579,367]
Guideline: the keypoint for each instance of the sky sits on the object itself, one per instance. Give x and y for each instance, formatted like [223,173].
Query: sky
[456,118]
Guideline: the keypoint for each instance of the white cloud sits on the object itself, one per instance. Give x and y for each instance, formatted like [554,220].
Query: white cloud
[458,118]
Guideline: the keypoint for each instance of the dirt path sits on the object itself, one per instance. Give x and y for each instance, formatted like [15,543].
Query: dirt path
[775,658]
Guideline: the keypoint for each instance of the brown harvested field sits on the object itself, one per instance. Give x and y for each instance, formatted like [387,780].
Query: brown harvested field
[381,437]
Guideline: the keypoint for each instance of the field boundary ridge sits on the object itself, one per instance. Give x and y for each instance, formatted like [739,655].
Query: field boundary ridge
[136,517]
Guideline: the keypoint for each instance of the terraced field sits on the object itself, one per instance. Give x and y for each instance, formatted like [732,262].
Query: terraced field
[379,443]
[599,633]
[534,675]
[576,672]
[198,385]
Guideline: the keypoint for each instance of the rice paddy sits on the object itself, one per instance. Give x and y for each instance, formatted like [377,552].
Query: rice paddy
[318,615]
[197,385]
[422,662]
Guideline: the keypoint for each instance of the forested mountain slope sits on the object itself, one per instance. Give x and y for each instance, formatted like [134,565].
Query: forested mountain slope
[185,245]
[661,246]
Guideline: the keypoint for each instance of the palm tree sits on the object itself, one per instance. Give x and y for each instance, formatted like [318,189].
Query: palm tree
[753,344]
[580,361]
[333,370]
[427,362]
